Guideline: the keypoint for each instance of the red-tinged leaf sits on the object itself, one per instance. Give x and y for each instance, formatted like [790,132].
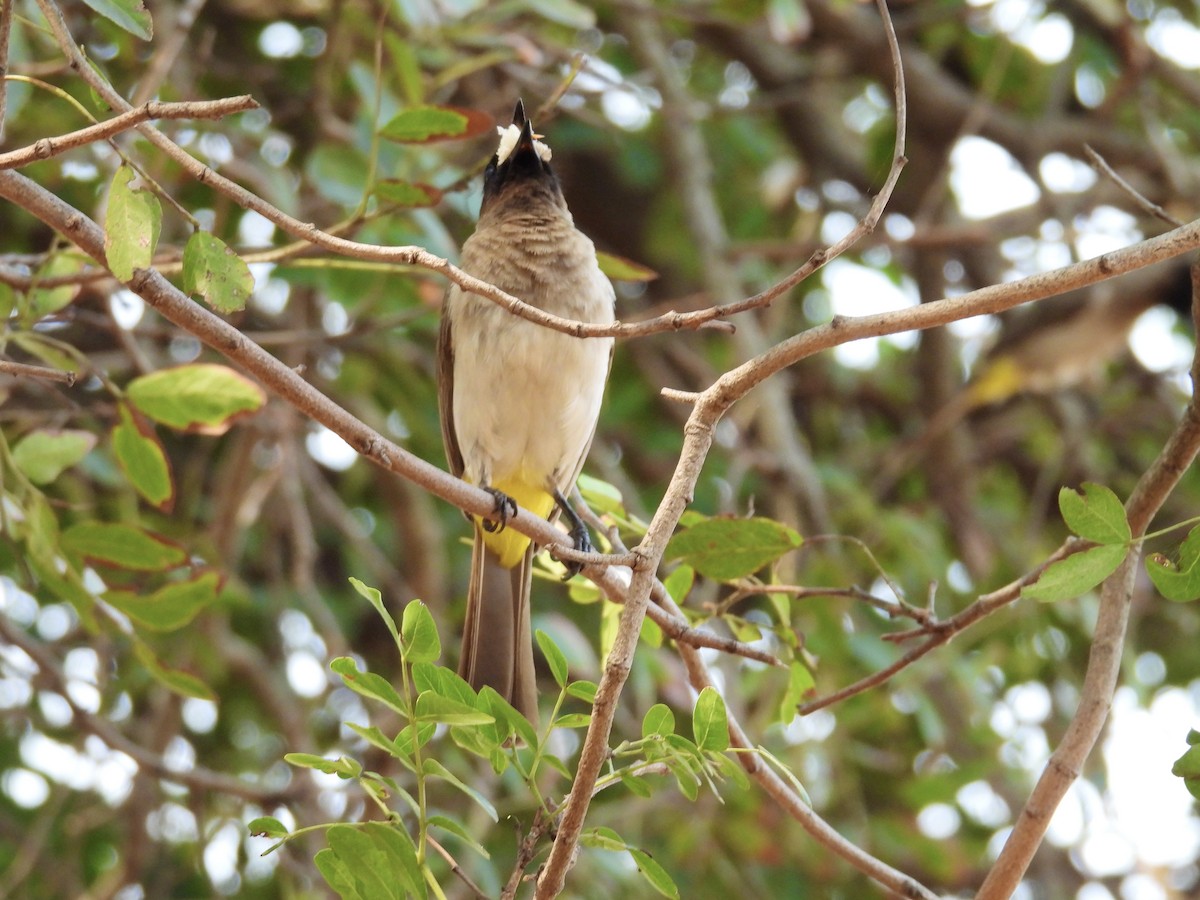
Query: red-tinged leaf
[408,194]
[426,124]
[202,397]
[171,606]
[143,459]
[123,546]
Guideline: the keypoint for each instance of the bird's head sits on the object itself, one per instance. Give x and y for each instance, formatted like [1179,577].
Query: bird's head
[520,170]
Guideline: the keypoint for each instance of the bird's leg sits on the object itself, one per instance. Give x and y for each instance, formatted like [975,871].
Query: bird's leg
[579,534]
[505,507]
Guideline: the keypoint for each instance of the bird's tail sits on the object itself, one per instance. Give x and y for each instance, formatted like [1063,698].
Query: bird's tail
[497,645]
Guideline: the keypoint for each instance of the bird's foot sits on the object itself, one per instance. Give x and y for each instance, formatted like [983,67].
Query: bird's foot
[578,532]
[505,507]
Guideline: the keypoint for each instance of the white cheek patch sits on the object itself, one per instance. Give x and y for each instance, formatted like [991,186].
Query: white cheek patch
[508,141]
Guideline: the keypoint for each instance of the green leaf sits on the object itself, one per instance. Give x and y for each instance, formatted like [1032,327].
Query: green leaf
[124,546]
[709,721]
[654,873]
[505,712]
[554,657]
[400,859]
[564,12]
[659,720]
[45,454]
[726,549]
[182,683]
[583,690]
[602,838]
[131,227]
[436,769]
[573,720]
[433,707]
[679,583]
[1077,574]
[800,683]
[368,684]
[338,875]
[201,396]
[618,268]
[343,766]
[1178,581]
[448,824]
[376,738]
[601,496]
[131,15]
[143,460]
[408,194]
[1095,514]
[376,600]
[213,272]
[171,606]
[267,826]
[425,124]
[419,640]
[1187,766]
[443,681]
[43,301]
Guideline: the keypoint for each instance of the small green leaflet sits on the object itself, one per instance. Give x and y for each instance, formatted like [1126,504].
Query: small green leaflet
[1187,766]
[618,268]
[407,194]
[215,274]
[1077,574]
[170,607]
[182,683]
[143,460]
[43,455]
[1178,581]
[267,826]
[1095,514]
[202,396]
[419,640]
[123,546]
[710,723]
[659,720]
[554,657]
[42,301]
[726,549]
[128,14]
[131,227]
[425,124]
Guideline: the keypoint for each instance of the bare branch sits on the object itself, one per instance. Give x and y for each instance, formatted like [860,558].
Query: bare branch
[1104,660]
[23,370]
[194,109]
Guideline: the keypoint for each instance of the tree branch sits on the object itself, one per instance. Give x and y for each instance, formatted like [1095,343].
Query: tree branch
[47,147]
[1104,660]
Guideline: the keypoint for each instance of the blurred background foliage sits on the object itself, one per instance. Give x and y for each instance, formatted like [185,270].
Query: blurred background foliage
[792,102]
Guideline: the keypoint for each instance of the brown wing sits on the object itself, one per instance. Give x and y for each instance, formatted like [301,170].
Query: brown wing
[445,384]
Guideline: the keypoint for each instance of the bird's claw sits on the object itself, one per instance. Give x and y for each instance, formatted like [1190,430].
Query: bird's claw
[505,507]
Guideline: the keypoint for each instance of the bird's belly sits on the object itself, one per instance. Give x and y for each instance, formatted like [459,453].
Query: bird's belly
[525,400]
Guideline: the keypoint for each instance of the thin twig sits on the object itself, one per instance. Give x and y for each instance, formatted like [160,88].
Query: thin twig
[46,147]
[1100,164]
[24,370]
[1104,660]
[198,779]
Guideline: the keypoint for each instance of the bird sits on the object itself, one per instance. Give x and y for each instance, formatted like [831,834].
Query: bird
[519,402]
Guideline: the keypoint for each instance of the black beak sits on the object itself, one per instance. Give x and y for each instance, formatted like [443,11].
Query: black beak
[519,113]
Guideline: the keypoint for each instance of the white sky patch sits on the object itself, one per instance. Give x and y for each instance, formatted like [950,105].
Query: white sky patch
[306,674]
[1156,343]
[280,40]
[1066,175]
[855,290]
[987,180]
[1104,229]
[127,308]
[1152,810]
[1172,36]
[329,449]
